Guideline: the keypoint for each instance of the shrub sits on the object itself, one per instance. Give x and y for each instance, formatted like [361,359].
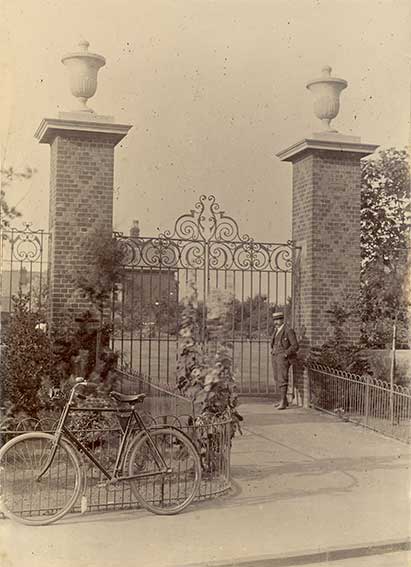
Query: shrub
[26,360]
[339,352]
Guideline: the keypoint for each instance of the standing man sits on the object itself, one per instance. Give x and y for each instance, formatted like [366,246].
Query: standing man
[284,346]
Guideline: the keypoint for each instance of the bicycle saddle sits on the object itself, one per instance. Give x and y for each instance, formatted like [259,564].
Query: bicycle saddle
[130,399]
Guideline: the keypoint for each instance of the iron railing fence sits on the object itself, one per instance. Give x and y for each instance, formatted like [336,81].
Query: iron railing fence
[165,405]
[212,439]
[363,400]
[162,400]
[24,260]
[212,442]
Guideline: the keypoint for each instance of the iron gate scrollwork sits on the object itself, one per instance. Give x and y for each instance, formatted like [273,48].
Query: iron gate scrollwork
[24,262]
[206,248]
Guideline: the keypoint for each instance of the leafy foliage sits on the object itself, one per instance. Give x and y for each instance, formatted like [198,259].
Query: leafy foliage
[75,348]
[74,354]
[82,347]
[26,360]
[8,175]
[70,351]
[149,302]
[250,318]
[206,376]
[385,274]
[385,297]
[103,273]
[385,200]
[339,352]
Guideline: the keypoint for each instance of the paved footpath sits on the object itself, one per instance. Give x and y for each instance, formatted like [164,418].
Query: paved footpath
[308,489]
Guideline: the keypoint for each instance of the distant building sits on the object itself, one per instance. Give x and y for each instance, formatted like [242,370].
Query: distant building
[148,294]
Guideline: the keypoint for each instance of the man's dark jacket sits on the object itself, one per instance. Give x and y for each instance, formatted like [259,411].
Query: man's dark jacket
[284,342]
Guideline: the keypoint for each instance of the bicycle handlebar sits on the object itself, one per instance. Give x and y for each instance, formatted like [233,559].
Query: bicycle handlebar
[83,382]
[80,381]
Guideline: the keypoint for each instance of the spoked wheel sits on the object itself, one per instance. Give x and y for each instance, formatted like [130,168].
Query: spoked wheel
[27,424]
[28,499]
[47,424]
[171,492]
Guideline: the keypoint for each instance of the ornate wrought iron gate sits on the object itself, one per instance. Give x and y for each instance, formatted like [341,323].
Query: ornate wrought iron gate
[207,249]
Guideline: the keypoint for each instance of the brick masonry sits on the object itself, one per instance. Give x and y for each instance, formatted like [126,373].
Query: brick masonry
[326,225]
[81,204]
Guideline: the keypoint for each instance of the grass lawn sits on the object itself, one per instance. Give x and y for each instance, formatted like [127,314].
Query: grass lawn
[157,359]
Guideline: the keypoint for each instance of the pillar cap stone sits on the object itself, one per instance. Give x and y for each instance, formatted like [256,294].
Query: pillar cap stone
[49,128]
[327,141]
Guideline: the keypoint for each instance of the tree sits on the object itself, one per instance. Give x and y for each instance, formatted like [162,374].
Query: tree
[98,282]
[385,205]
[8,175]
[103,273]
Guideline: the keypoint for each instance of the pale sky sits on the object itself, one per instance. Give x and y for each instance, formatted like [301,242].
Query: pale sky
[213,89]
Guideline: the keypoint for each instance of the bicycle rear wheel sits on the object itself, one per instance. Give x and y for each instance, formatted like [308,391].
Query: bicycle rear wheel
[28,499]
[171,492]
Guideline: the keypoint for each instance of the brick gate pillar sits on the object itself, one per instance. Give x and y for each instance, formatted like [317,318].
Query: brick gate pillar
[81,192]
[325,225]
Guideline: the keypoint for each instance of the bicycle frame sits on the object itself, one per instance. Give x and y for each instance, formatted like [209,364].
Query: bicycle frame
[63,432]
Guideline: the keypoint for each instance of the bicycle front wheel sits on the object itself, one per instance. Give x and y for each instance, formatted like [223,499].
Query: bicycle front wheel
[27,498]
[172,491]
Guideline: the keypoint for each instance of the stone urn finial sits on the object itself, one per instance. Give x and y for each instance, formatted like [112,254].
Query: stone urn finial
[83,67]
[326,91]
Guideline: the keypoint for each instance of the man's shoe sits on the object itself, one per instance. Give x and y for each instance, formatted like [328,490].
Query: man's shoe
[283,405]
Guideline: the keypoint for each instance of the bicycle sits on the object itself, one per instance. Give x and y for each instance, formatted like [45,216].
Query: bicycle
[41,473]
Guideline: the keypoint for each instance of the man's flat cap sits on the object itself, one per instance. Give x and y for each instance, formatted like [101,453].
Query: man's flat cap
[278,315]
